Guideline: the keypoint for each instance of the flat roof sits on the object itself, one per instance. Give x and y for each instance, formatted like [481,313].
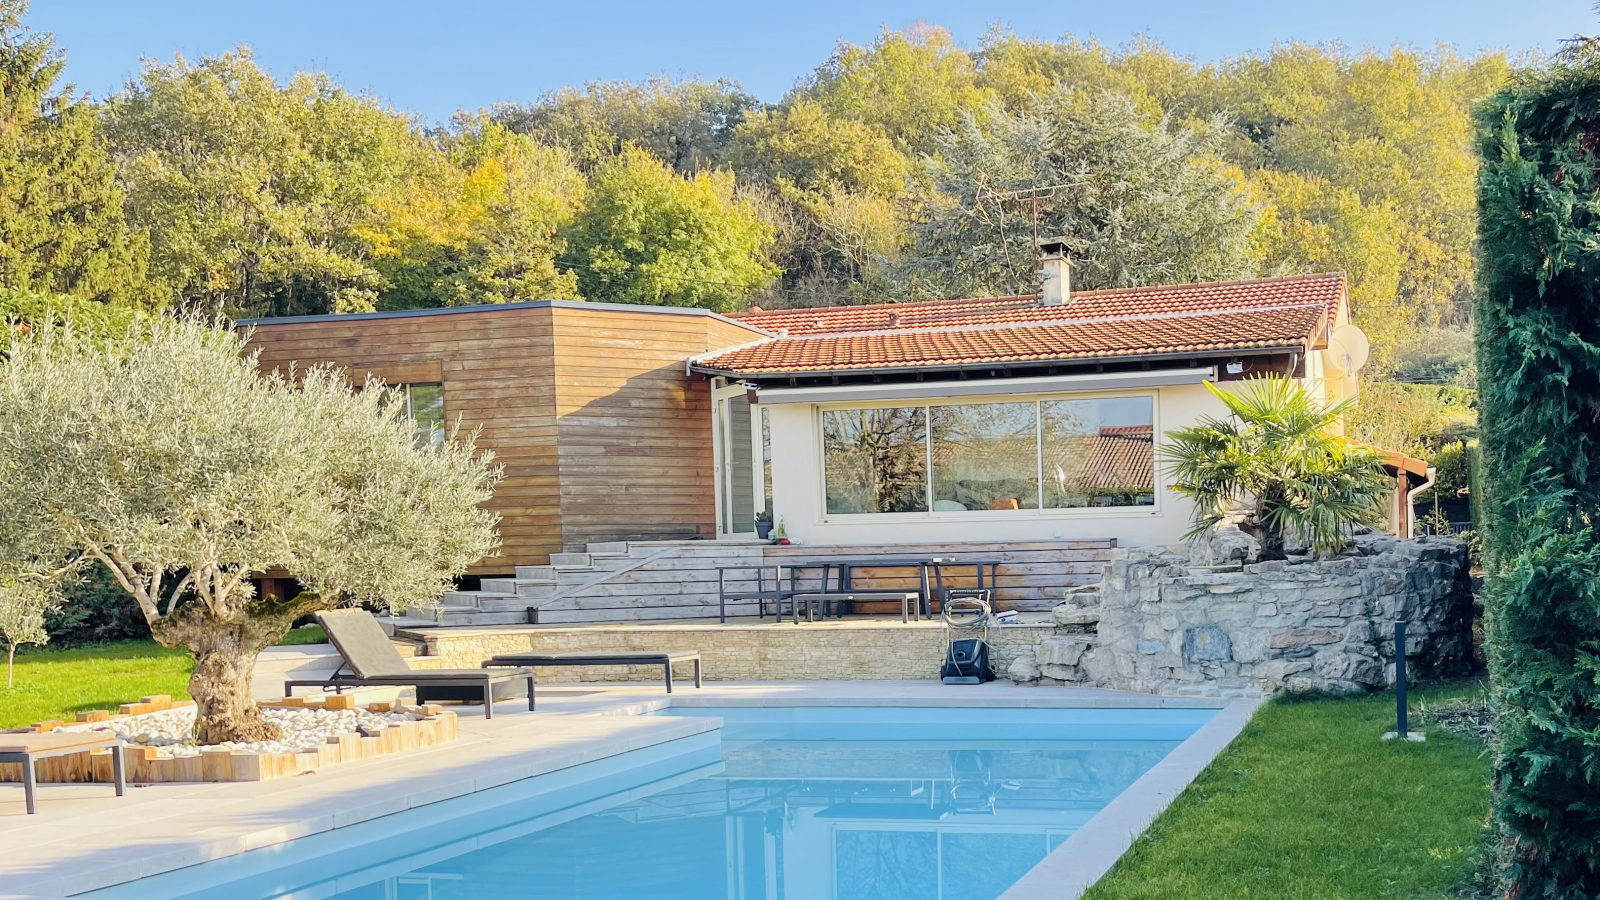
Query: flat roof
[496,307]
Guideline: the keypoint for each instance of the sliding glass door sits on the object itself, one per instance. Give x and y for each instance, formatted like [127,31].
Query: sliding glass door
[734,438]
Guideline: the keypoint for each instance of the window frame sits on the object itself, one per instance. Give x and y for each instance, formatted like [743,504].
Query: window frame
[970,515]
[442,434]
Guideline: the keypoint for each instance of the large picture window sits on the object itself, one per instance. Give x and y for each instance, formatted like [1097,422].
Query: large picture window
[955,458]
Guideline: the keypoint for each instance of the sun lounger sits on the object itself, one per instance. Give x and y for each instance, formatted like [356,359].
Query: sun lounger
[662,658]
[373,661]
[28,747]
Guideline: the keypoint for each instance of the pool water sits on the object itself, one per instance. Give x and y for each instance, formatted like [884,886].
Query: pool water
[791,804]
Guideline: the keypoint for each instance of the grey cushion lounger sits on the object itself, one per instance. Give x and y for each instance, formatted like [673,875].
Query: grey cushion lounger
[373,660]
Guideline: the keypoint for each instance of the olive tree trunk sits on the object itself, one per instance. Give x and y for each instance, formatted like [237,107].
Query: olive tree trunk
[225,651]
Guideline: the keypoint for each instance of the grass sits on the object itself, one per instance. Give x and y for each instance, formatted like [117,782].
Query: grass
[56,684]
[305,634]
[1309,803]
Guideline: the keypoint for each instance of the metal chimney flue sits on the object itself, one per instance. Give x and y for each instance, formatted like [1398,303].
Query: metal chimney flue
[1056,266]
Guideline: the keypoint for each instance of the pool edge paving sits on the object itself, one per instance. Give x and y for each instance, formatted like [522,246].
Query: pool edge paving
[1086,856]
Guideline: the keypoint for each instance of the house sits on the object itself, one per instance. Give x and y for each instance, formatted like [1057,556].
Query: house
[1026,418]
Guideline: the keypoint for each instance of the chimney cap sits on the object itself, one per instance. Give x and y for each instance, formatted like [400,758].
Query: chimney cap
[1054,247]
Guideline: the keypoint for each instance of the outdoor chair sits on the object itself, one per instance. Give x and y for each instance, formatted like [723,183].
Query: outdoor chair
[373,661]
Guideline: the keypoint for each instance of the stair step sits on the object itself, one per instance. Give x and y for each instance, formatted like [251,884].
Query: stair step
[536,590]
[498,585]
[511,603]
[609,548]
[565,560]
[536,573]
[475,617]
[459,599]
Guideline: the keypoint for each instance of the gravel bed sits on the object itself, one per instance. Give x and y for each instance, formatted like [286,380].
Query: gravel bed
[171,732]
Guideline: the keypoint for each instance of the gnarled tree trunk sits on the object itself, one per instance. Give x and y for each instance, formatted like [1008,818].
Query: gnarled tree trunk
[225,651]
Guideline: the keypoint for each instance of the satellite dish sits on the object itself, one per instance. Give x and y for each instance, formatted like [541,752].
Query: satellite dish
[1348,349]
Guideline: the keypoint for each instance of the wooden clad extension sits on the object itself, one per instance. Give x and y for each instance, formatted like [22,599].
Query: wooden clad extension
[602,433]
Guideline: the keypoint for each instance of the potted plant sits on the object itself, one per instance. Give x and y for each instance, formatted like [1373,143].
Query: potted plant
[764,524]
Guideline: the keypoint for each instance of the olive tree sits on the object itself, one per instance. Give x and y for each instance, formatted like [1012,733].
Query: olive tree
[25,598]
[168,457]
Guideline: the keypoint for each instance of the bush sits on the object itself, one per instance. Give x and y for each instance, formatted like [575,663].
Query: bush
[1414,419]
[1538,320]
[97,610]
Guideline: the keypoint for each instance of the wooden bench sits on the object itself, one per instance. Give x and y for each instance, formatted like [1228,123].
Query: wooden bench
[29,747]
[662,658]
[910,602]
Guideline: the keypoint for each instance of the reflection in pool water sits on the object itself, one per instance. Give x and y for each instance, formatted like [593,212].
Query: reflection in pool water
[798,804]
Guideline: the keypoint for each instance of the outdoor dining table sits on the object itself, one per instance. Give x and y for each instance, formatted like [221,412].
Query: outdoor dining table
[930,574]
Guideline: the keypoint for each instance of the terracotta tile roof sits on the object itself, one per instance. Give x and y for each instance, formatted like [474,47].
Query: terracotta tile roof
[1264,313]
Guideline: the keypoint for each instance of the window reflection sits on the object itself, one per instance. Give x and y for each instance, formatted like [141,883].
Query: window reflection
[425,408]
[1051,454]
[1098,452]
[984,457]
[875,460]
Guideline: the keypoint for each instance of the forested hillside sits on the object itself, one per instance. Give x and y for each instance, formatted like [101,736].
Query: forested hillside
[908,168]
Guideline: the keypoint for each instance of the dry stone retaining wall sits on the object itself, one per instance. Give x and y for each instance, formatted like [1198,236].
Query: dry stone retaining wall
[1165,625]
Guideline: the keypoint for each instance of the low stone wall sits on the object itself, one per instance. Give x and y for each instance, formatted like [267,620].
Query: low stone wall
[1168,626]
[820,652]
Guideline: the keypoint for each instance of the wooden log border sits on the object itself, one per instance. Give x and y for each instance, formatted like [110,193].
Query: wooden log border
[437,726]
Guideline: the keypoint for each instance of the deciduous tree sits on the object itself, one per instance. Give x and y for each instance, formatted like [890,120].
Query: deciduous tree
[256,196]
[651,236]
[62,227]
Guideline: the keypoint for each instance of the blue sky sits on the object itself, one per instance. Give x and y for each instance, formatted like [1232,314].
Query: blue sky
[436,57]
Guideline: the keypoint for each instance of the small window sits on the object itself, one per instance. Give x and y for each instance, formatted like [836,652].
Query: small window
[425,409]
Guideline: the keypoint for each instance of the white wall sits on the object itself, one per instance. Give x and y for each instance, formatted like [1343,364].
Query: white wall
[797,495]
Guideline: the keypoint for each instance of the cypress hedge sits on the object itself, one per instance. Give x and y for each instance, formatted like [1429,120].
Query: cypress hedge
[1538,336]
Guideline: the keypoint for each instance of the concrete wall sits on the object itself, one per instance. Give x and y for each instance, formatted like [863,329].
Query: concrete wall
[798,503]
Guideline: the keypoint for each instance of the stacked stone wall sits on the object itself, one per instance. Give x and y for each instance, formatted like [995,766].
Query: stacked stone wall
[1168,626]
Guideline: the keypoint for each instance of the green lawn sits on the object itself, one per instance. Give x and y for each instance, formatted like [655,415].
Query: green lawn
[1308,803]
[305,634]
[55,684]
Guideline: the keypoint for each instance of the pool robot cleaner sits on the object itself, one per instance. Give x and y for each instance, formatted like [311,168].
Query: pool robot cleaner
[968,631]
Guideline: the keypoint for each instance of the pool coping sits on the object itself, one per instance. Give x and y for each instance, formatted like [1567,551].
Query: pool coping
[1098,839]
[1086,856]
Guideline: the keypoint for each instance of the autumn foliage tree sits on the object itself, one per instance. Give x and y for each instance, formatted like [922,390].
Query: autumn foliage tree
[164,455]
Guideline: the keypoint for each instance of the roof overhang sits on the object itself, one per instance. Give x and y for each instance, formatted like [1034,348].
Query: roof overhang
[928,390]
[700,363]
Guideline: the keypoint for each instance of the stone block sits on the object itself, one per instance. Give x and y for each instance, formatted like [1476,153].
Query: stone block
[1023,670]
[1151,647]
[1207,643]
[1300,637]
[1061,673]
[1069,615]
[1061,651]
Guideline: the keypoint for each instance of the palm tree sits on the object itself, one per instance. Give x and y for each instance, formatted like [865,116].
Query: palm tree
[1277,458]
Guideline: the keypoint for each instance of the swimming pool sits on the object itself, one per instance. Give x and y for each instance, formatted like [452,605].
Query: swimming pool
[784,803]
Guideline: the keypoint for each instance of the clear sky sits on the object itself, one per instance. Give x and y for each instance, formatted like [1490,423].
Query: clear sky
[436,56]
